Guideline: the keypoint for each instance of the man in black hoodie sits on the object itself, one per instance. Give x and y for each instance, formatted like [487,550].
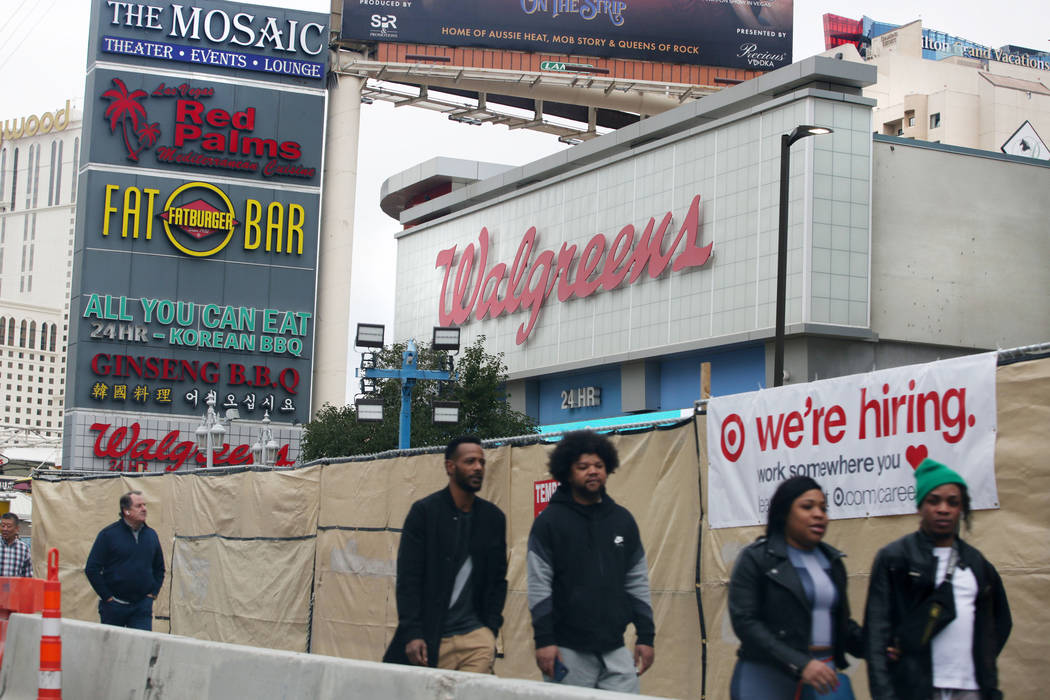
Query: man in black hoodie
[587,575]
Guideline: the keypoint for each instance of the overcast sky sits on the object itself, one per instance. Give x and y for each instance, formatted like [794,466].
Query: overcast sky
[43,44]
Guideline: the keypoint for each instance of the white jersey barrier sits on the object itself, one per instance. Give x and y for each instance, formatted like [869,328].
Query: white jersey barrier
[113,662]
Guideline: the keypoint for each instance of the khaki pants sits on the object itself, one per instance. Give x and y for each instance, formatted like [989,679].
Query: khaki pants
[474,651]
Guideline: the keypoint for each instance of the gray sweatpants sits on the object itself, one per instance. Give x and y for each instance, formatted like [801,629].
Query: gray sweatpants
[613,670]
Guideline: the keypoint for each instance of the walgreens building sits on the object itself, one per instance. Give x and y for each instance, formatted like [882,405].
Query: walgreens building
[608,273]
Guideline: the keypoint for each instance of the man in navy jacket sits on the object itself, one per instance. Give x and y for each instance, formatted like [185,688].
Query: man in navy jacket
[126,567]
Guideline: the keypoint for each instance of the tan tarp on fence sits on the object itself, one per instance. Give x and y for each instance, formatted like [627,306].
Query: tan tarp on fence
[247,551]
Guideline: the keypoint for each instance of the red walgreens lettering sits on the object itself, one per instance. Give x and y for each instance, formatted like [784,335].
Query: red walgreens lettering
[494,291]
[124,443]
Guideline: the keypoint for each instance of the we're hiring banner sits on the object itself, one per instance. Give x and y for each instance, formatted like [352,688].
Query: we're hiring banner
[860,437]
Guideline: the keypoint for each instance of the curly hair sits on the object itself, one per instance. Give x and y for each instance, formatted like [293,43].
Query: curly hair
[581,442]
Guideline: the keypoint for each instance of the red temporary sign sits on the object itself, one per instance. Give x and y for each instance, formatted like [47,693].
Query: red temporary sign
[542,492]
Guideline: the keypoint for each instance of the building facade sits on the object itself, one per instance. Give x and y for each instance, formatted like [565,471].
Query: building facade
[937,87]
[38,192]
[607,274]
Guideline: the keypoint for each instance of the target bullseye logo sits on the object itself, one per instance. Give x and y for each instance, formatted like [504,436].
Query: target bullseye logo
[732,437]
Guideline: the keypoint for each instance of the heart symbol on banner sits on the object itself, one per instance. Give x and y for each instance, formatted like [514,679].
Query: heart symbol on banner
[915,455]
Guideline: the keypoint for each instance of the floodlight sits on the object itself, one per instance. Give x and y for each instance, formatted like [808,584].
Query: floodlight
[369,410]
[369,335]
[446,338]
[446,411]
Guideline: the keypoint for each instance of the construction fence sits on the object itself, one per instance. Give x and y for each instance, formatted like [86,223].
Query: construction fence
[304,559]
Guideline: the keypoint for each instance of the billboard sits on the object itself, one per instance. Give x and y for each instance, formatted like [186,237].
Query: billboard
[749,34]
[195,260]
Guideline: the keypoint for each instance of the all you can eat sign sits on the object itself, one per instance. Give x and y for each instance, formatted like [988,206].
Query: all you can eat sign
[860,437]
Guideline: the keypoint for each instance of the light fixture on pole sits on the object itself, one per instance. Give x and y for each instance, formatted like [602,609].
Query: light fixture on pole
[264,450]
[445,338]
[371,410]
[445,412]
[210,433]
[369,335]
[799,132]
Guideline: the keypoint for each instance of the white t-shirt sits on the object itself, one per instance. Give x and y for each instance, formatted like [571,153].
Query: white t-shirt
[953,646]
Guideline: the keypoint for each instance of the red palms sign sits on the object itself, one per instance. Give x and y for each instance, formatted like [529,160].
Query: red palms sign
[125,112]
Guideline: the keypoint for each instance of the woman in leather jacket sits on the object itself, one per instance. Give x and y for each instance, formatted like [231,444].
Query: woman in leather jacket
[788,604]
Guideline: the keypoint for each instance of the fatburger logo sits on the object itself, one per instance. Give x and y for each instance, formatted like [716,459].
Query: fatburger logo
[193,223]
[200,219]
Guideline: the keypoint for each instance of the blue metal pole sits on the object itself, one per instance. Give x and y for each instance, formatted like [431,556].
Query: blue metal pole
[408,364]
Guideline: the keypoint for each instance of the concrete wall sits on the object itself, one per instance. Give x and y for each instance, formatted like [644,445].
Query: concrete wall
[959,247]
[111,662]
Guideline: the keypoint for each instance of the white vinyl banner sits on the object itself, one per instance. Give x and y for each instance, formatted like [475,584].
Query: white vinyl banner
[861,437]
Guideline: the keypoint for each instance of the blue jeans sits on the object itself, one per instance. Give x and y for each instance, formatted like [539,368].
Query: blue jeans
[753,681]
[613,670]
[137,616]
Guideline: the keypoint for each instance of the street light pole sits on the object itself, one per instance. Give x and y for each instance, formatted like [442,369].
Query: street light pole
[799,132]
[210,433]
[409,373]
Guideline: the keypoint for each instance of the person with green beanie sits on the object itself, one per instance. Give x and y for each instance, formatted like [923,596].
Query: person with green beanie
[936,607]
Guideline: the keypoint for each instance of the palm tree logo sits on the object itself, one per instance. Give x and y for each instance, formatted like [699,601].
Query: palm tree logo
[125,112]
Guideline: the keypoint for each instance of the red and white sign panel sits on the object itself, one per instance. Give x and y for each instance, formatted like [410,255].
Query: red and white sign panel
[542,492]
[860,437]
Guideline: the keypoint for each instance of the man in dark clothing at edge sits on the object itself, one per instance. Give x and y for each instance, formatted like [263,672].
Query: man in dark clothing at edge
[959,661]
[126,567]
[587,575]
[452,571]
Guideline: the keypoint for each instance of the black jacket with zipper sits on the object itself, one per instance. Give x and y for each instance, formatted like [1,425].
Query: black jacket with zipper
[587,576]
[426,570]
[903,575]
[771,614]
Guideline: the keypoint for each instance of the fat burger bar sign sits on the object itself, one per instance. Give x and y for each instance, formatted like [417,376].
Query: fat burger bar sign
[530,280]
[125,450]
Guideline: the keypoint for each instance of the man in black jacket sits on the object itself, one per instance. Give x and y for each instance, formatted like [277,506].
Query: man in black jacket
[909,661]
[452,571]
[126,567]
[587,575]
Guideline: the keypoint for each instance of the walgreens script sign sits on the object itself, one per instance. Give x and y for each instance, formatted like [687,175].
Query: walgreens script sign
[861,437]
[494,289]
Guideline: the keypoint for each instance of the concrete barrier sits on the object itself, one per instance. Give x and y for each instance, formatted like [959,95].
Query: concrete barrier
[100,661]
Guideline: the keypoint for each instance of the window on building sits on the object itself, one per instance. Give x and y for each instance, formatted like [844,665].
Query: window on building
[76,164]
[911,121]
[14,179]
[935,120]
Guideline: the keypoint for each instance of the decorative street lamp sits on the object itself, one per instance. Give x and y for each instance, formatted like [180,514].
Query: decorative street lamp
[210,433]
[264,450]
[799,132]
